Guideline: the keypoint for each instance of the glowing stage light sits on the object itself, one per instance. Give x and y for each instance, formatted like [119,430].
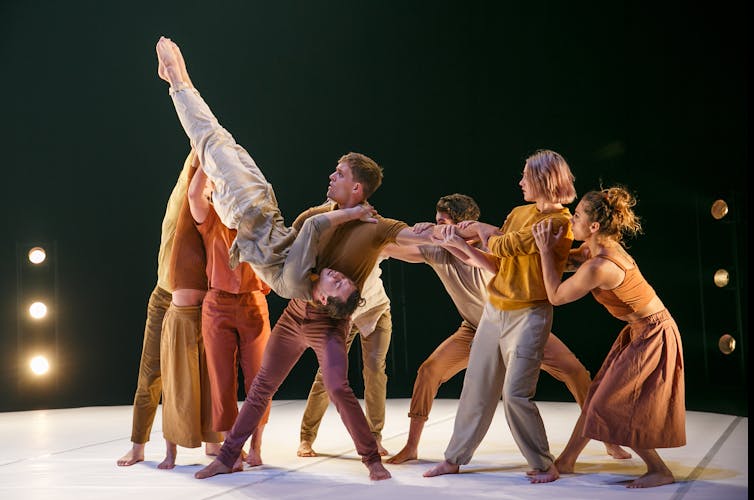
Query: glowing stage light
[727,344]
[722,278]
[39,365]
[719,209]
[37,255]
[38,310]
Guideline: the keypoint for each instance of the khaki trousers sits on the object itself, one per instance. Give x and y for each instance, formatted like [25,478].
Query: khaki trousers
[148,385]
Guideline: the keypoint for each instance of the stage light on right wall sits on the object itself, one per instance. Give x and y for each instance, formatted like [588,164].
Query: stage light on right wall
[719,209]
[726,344]
[721,278]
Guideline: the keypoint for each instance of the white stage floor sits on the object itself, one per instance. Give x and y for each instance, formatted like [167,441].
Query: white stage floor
[71,453]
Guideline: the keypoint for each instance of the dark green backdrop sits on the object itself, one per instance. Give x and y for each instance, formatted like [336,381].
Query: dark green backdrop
[446,96]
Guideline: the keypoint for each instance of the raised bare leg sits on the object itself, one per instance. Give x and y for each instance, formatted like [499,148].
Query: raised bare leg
[134,455]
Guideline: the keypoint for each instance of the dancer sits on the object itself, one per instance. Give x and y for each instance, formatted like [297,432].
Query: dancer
[235,317]
[245,199]
[186,400]
[372,324]
[149,385]
[637,397]
[509,343]
[466,285]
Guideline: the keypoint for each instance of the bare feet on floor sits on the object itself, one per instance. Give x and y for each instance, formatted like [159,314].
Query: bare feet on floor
[170,453]
[212,449]
[216,467]
[381,449]
[305,449]
[537,476]
[652,479]
[254,457]
[617,452]
[443,467]
[406,454]
[378,472]
[134,455]
[563,466]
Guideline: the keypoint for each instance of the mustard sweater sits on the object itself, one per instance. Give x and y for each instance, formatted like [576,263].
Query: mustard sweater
[519,283]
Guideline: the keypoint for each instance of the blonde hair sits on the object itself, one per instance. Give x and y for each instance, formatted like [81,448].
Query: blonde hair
[550,176]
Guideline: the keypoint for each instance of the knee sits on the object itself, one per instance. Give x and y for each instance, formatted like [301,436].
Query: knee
[429,370]
[338,392]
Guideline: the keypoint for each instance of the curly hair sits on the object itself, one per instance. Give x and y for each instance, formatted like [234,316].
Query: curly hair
[612,208]
[460,207]
[341,309]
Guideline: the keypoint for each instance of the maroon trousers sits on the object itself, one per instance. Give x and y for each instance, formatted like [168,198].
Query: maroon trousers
[300,326]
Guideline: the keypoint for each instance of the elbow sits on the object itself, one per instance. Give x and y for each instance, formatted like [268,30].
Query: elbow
[556,301]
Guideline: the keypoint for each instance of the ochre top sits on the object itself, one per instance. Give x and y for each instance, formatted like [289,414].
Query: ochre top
[519,282]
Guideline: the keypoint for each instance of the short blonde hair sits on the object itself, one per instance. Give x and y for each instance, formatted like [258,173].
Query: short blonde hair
[550,176]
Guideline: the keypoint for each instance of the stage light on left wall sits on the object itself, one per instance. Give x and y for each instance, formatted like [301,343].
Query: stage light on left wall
[38,310]
[37,255]
[39,365]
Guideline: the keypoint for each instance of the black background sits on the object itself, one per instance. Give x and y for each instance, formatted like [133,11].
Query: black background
[446,96]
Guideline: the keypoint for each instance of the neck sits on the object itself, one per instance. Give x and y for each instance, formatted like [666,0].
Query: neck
[545,206]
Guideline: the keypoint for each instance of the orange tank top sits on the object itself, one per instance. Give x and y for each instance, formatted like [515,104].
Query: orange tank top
[633,294]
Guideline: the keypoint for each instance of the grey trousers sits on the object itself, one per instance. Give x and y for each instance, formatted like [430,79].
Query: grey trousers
[505,358]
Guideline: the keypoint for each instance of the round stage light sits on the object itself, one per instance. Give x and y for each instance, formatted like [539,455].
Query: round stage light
[719,209]
[39,365]
[38,310]
[722,278]
[37,255]
[727,344]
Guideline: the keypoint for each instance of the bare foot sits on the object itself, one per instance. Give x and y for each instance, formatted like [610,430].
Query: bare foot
[537,476]
[170,453]
[212,449]
[305,449]
[617,452]
[381,449]
[406,454]
[134,455]
[378,472]
[443,467]
[216,467]
[652,479]
[564,467]
[254,457]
